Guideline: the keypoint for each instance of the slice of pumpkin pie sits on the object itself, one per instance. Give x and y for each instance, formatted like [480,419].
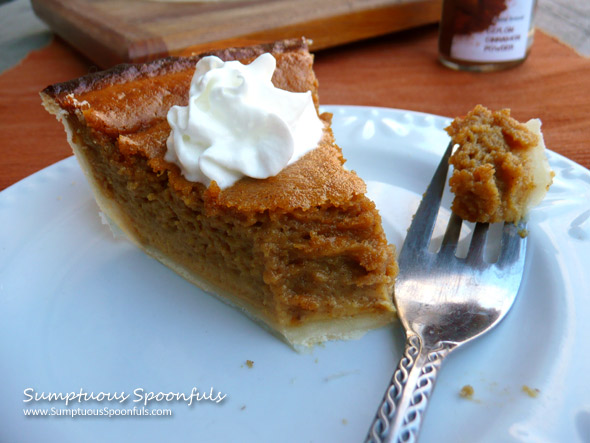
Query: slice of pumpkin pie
[220,167]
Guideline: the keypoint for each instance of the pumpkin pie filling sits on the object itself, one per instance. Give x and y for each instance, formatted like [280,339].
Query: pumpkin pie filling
[303,251]
[500,167]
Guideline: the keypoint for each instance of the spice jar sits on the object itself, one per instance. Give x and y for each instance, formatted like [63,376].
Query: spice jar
[485,35]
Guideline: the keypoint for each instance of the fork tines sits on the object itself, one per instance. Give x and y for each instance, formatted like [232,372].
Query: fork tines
[420,233]
[418,237]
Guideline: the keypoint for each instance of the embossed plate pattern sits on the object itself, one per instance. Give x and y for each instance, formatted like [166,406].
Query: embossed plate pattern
[82,310]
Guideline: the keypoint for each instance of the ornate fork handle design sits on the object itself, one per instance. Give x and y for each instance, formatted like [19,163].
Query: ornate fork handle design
[400,413]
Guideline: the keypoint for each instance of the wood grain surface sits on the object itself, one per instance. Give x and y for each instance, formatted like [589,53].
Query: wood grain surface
[110,31]
[398,71]
[567,20]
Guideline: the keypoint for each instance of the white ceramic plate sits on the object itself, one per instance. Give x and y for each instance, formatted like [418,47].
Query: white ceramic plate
[80,310]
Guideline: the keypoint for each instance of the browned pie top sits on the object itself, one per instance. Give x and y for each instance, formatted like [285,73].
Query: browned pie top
[128,105]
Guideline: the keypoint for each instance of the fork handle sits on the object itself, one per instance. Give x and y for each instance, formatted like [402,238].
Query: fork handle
[399,416]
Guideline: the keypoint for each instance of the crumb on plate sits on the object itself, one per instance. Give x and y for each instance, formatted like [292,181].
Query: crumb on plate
[533,393]
[466,392]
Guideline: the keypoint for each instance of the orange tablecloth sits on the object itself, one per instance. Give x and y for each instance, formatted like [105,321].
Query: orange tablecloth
[398,71]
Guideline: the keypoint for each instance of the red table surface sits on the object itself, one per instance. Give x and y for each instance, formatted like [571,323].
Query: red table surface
[396,71]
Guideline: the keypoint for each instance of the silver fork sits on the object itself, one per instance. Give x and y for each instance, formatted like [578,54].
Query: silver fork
[443,302]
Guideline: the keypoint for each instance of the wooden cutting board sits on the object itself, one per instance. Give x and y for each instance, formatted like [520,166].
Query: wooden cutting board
[110,32]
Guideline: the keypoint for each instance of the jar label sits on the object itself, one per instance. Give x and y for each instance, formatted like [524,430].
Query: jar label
[505,40]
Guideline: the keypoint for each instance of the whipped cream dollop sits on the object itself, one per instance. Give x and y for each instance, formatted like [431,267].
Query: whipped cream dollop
[238,124]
